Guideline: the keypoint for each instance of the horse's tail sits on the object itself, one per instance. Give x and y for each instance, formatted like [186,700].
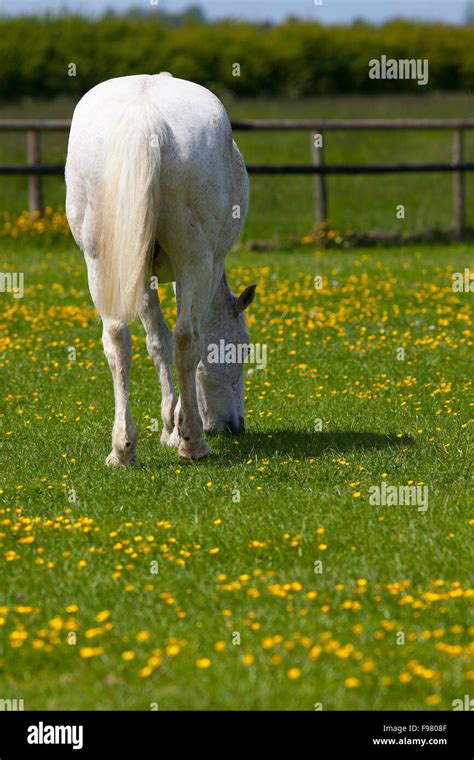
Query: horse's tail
[128,210]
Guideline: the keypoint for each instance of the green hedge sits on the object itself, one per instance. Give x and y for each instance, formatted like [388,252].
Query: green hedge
[294,59]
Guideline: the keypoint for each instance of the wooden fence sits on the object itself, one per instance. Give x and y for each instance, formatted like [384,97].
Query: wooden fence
[34,169]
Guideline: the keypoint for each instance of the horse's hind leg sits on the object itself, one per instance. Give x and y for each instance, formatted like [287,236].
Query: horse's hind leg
[159,342]
[117,343]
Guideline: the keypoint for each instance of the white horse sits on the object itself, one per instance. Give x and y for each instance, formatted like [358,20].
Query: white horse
[157,190]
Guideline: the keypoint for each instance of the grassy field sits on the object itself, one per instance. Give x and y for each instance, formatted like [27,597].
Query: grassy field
[284,206]
[263,577]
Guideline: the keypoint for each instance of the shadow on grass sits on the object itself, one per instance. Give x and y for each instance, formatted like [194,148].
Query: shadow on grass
[304,444]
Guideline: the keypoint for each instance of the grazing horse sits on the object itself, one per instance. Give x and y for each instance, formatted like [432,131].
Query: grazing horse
[157,191]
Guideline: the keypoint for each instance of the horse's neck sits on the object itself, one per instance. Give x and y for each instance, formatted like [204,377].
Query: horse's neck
[219,304]
[222,295]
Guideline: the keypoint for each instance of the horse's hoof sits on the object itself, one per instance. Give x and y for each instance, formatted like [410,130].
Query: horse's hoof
[198,450]
[114,460]
[170,439]
[165,437]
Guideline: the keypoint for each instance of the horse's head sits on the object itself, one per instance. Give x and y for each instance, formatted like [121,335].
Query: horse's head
[220,373]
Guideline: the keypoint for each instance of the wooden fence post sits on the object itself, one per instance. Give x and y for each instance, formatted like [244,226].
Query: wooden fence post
[33,150]
[459,188]
[320,182]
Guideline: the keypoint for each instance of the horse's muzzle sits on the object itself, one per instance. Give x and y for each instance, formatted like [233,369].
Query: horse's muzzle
[231,426]
[236,429]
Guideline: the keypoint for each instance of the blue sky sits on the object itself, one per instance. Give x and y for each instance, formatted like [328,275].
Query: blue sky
[331,11]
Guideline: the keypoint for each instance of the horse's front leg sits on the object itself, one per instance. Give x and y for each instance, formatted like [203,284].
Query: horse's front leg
[118,350]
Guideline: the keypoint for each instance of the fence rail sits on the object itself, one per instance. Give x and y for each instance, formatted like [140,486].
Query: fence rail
[35,170]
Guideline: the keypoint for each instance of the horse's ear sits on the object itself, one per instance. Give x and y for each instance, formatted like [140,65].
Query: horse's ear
[245,299]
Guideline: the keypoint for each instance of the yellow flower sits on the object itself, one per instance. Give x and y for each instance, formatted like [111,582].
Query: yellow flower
[315,652]
[26,540]
[219,646]
[293,674]
[203,662]
[214,550]
[17,637]
[101,616]
[172,650]
[91,633]
[248,659]
[143,636]
[351,683]
[128,655]
[433,699]
[88,652]
[145,672]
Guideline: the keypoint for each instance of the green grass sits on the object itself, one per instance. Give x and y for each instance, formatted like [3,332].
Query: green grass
[284,206]
[332,356]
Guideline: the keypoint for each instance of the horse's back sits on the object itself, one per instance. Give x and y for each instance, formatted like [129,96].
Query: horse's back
[191,119]
[200,168]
